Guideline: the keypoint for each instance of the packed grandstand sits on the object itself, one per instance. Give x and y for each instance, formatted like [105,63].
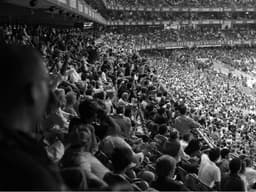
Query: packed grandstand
[128,95]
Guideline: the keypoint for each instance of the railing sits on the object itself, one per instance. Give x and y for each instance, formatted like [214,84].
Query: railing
[185,22]
[198,44]
[209,141]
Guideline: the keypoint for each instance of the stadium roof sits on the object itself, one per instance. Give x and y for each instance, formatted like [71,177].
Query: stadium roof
[48,12]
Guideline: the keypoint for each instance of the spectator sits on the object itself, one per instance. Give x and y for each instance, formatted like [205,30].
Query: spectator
[123,121]
[241,173]
[209,173]
[250,173]
[123,101]
[165,169]
[22,106]
[224,165]
[121,160]
[161,138]
[185,141]
[173,147]
[152,89]
[183,123]
[112,142]
[233,182]
[78,156]
[70,104]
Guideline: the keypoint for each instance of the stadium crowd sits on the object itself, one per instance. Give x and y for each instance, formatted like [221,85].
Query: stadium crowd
[145,16]
[182,3]
[103,117]
[149,36]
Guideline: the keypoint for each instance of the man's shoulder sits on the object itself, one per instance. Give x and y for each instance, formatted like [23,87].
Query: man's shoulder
[176,185]
[210,167]
[17,157]
[233,179]
[213,167]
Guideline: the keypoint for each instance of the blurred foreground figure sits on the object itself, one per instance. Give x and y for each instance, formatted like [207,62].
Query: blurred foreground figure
[23,161]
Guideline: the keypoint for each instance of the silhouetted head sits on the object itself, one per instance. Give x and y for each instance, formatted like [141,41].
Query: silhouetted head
[165,166]
[214,154]
[24,84]
[235,165]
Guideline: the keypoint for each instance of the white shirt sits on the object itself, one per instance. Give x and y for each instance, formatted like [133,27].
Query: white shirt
[250,175]
[209,173]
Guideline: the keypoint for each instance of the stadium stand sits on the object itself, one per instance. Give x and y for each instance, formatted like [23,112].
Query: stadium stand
[90,103]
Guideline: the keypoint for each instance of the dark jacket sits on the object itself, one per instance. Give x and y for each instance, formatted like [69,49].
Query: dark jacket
[24,164]
[233,182]
[168,184]
[172,148]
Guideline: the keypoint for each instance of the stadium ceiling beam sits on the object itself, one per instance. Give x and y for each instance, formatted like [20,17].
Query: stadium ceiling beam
[228,22]
[76,7]
[79,7]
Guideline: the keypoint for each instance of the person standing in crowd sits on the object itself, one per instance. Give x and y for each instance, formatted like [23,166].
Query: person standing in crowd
[165,169]
[162,137]
[209,173]
[70,104]
[250,173]
[123,121]
[24,163]
[224,165]
[233,182]
[79,155]
[173,146]
[121,161]
[183,123]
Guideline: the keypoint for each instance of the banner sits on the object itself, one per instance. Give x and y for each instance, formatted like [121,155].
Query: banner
[191,44]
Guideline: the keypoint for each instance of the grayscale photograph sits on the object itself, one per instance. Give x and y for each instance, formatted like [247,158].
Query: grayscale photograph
[128,95]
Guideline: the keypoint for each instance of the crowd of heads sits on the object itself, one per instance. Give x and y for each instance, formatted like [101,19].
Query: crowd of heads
[212,96]
[153,35]
[182,3]
[152,16]
[89,112]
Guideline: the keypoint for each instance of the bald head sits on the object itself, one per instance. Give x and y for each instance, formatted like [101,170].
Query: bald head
[23,78]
